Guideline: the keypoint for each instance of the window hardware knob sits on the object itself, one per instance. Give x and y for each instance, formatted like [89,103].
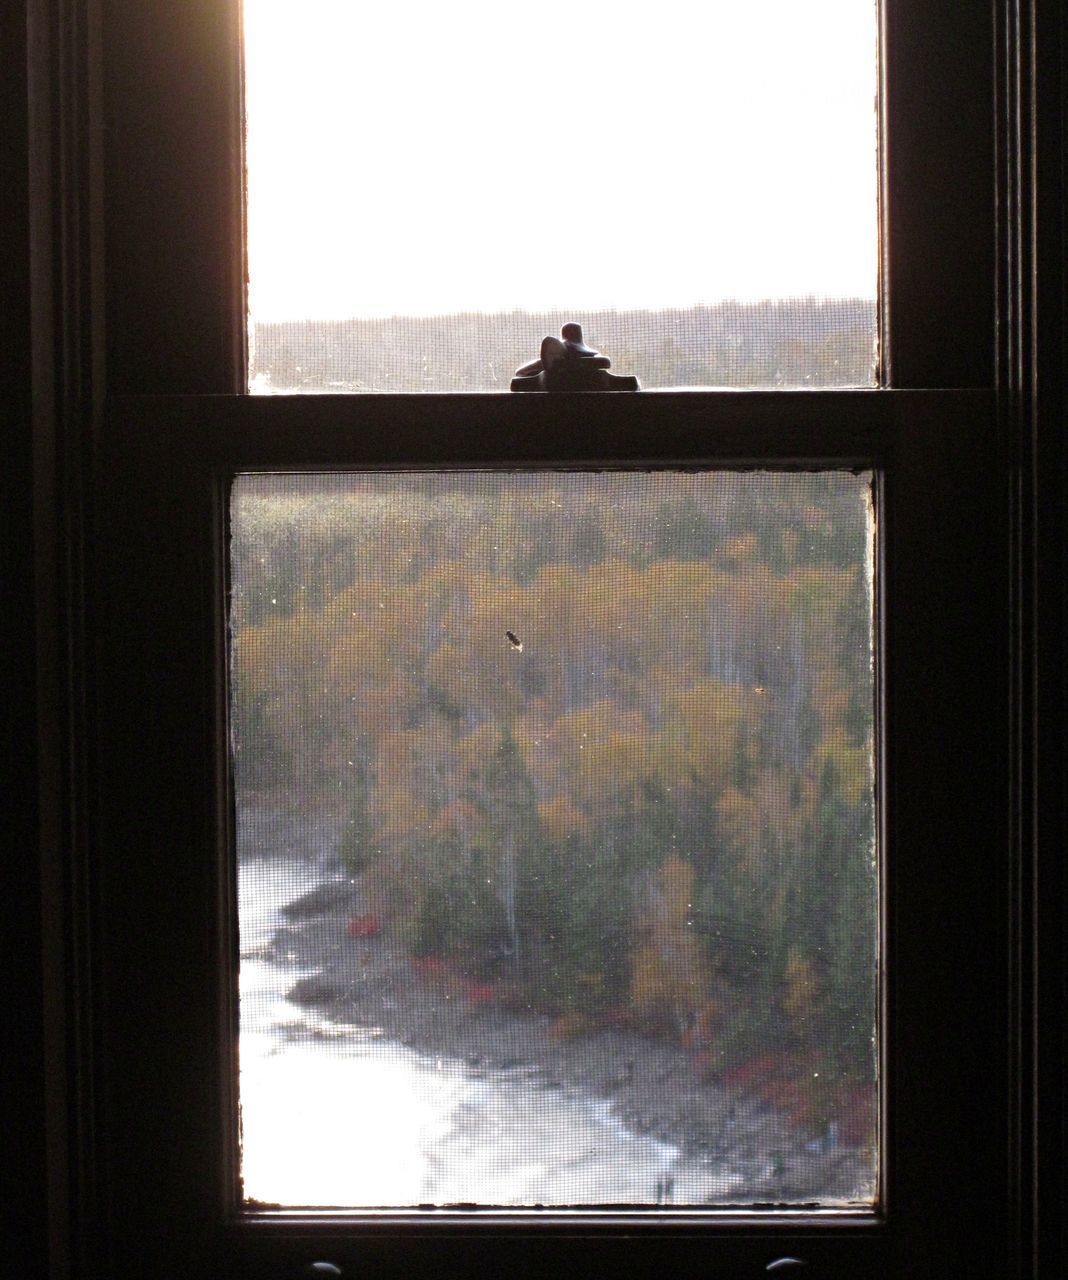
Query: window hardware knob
[321,1269]
[786,1266]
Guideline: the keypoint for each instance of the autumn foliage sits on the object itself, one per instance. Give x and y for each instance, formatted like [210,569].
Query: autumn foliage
[658,813]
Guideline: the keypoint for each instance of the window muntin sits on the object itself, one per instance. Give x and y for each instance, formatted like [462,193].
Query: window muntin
[696,185]
[555,837]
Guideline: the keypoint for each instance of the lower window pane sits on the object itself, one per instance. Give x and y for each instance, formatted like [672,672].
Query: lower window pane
[556,838]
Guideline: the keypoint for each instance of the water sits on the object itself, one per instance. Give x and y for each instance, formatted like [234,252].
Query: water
[342,1116]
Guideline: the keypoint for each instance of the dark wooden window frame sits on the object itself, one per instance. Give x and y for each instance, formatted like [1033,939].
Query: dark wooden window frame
[163,633]
[139,417]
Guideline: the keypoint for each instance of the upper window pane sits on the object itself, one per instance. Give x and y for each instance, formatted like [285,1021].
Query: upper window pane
[433,188]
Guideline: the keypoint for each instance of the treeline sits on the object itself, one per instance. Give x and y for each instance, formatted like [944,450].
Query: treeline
[790,342]
[658,811]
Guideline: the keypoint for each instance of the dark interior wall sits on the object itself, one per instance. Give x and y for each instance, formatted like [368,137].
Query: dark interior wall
[21,1057]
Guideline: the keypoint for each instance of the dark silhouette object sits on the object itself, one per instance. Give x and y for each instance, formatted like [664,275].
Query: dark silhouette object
[515,641]
[567,364]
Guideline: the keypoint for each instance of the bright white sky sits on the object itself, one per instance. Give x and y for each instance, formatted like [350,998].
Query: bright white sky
[411,158]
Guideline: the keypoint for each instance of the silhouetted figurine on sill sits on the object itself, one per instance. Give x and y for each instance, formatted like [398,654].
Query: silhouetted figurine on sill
[567,364]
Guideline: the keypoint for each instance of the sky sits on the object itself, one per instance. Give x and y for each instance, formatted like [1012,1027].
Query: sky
[410,158]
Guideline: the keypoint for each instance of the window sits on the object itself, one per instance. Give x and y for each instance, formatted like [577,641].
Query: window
[701,275]
[746,257]
[556,838]
[212,440]
[163,894]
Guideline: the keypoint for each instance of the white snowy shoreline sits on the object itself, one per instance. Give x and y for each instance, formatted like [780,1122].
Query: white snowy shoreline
[648,1086]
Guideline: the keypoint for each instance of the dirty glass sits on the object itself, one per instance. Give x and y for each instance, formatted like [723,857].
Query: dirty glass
[556,842]
[433,188]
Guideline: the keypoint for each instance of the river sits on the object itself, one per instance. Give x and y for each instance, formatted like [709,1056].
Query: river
[336,1115]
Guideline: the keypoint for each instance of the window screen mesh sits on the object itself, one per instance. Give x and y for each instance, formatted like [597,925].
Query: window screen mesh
[796,342]
[434,188]
[555,838]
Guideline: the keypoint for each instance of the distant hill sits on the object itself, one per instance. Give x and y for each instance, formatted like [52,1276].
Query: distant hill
[790,342]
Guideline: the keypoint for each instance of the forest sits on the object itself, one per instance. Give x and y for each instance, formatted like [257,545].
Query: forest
[603,742]
[782,342]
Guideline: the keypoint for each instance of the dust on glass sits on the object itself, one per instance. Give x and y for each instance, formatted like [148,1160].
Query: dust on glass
[555,838]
